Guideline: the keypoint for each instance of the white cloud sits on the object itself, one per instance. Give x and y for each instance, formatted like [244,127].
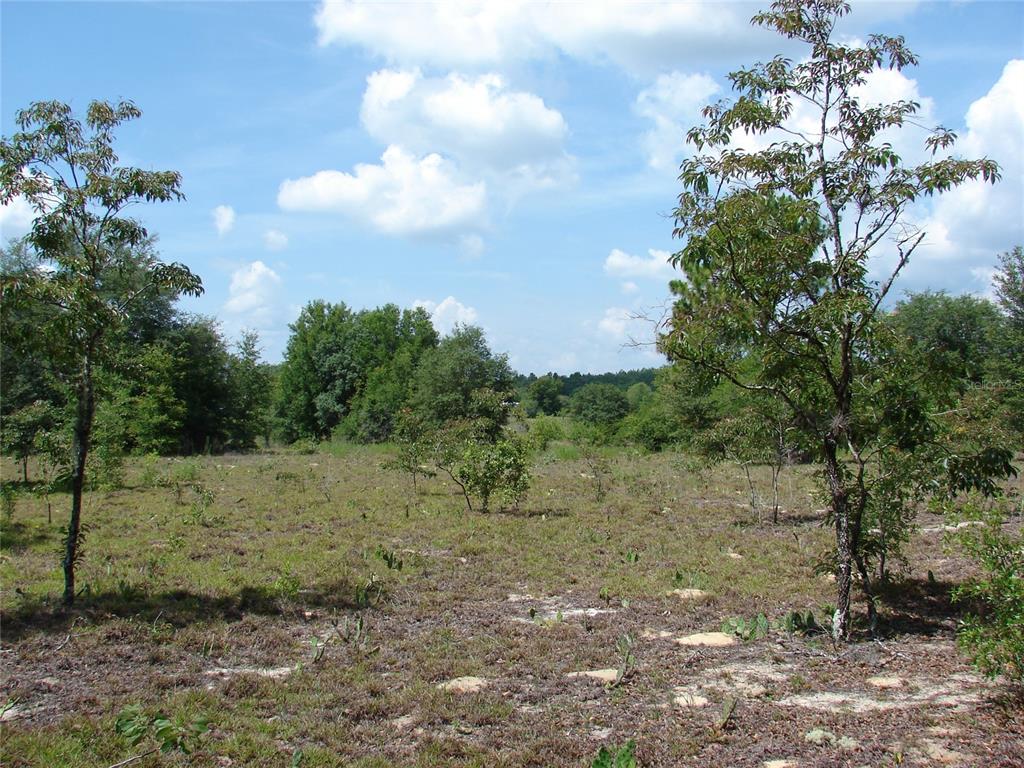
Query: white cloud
[654,266]
[642,37]
[252,294]
[629,287]
[673,104]
[616,323]
[477,120]
[972,223]
[449,313]
[16,218]
[404,195]
[223,219]
[275,240]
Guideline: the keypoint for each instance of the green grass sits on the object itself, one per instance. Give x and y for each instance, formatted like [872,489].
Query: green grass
[241,561]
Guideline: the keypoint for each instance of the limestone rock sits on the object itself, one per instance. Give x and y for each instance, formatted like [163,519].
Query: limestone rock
[467,684]
[713,639]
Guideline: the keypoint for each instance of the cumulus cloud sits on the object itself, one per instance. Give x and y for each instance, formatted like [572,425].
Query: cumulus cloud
[654,266]
[404,195]
[449,313]
[275,240]
[16,217]
[478,120]
[616,323]
[673,104]
[223,219]
[642,37]
[252,294]
[978,219]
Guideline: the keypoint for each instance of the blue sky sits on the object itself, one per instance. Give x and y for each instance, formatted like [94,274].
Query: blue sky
[506,164]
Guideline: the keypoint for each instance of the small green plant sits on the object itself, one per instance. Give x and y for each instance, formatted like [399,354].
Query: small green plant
[149,471]
[202,500]
[108,472]
[800,623]
[632,557]
[747,630]
[7,501]
[627,660]
[689,580]
[370,592]
[186,471]
[286,586]
[175,735]
[304,446]
[389,557]
[616,757]
[992,634]
[543,431]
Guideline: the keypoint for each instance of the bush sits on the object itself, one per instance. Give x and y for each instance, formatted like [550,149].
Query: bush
[993,636]
[600,404]
[500,468]
[544,430]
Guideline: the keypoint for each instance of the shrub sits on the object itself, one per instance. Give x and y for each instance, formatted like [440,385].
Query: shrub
[485,469]
[544,430]
[993,634]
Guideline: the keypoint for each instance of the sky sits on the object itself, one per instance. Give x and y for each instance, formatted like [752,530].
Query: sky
[506,164]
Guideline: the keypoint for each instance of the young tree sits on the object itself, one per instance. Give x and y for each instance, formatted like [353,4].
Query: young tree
[69,173]
[546,392]
[781,246]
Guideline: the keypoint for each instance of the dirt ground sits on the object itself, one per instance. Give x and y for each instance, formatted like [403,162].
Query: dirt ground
[320,612]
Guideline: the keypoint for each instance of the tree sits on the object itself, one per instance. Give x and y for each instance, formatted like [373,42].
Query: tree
[461,380]
[1009,364]
[250,393]
[546,392]
[600,404]
[781,243]
[69,173]
[955,335]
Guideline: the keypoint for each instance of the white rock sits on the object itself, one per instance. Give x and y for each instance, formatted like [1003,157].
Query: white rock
[466,684]
[886,682]
[690,700]
[690,594]
[602,675]
[275,673]
[713,639]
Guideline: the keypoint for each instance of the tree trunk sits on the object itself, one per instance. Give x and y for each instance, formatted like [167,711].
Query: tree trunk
[844,542]
[79,453]
[24,469]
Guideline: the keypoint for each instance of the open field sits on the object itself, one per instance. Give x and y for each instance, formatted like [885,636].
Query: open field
[233,587]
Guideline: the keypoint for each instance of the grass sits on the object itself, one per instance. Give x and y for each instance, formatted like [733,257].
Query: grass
[241,562]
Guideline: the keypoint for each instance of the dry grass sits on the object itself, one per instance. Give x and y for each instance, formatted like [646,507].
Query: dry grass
[251,564]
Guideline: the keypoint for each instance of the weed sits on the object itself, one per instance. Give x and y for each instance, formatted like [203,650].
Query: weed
[370,592]
[197,513]
[616,757]
[286,586]
[797,623]
[747,630]
[390,558]
[170,735]
[186,471]
[7,501]
[149,474]
[627,660]
[689,580]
